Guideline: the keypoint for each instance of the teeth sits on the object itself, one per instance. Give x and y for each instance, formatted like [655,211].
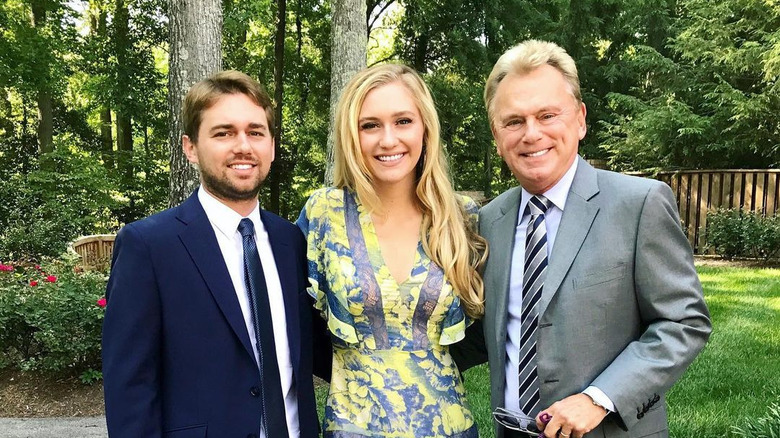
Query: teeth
[241,166]
[538,154]
[390,157]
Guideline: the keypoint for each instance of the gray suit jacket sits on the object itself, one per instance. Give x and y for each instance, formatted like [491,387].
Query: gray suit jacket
[621,308]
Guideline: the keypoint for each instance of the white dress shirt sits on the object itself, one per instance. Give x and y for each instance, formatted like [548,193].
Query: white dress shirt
[225,222]
[557,195]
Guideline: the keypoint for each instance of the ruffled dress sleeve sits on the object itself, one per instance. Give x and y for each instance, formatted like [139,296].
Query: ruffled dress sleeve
[317,221]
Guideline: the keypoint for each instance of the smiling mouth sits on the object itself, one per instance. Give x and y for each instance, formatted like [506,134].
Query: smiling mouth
[242,166]
[388,158]
[536,154]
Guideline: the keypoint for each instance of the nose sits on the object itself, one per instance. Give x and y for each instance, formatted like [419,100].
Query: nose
[242,142]
[531,131]
[389,139]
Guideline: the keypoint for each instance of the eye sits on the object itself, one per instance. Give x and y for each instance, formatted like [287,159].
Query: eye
[257,133]
[404,121]
[369,125]
[513,124]
[221,134]
[547,116]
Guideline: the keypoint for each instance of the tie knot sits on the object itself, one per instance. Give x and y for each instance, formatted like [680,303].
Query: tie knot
[246,227]
[537,205]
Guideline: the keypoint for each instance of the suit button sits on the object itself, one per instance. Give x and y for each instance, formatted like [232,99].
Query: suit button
[640,415]
[255,392]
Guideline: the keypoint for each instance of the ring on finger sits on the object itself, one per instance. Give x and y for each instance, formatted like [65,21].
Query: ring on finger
[563,435]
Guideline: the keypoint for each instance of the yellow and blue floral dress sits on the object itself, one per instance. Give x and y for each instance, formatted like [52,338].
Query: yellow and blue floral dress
[393,375]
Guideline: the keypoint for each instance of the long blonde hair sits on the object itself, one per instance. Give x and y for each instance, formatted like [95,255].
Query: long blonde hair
[449,238]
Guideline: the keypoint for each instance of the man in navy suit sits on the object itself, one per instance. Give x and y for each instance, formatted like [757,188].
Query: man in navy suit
[208,330]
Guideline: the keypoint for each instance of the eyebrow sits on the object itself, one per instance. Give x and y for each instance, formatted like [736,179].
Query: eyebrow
[231,126]
[398,114]
[543,109]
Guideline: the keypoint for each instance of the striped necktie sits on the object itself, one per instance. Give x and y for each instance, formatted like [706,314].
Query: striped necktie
[273,418]
[534,271]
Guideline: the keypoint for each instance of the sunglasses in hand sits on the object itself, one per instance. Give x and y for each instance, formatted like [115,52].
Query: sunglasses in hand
[516,420]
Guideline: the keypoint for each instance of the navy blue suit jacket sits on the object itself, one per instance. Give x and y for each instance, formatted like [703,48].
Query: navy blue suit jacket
[177,359]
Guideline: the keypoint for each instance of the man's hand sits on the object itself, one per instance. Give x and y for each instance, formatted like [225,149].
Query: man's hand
[572,417]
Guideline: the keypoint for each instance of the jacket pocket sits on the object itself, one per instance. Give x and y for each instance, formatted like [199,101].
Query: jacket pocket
[197,431]
[600,277]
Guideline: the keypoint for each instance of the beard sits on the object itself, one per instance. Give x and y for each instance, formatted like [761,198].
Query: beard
[222,187]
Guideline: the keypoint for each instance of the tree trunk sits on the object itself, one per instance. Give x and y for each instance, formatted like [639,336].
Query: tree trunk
[106,137]
[6,113]
[279,170]
[348,56]
[196,52]
[99,28]
[124,147]
[45,122]
[124,123]
[45,113]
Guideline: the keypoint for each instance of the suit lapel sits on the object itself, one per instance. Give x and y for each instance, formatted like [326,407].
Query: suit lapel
[287,267]
[577,219]
[501,235]
[201,243]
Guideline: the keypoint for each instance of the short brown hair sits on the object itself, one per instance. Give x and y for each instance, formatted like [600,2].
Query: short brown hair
[204,94]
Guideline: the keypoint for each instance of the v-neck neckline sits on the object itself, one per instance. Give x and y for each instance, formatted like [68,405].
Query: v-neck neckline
[371,238]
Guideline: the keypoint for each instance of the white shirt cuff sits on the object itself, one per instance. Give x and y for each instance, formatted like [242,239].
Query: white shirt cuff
[599,397]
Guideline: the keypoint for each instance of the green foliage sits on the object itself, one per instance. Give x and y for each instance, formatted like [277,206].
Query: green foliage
[667,84]
[767,426]
[65,194]
[51,317]
[91,376]
[707,98]
[737,233]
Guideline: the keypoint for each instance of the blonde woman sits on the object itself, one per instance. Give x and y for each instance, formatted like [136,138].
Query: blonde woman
[393,259]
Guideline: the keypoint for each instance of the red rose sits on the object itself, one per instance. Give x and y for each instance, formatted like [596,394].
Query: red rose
[102,302]
[33,283]
[51,278]
[6,268]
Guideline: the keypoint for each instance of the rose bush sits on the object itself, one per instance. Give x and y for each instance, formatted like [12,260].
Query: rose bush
[51,317]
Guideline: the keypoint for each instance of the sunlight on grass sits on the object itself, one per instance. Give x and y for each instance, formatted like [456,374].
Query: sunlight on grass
[735,377]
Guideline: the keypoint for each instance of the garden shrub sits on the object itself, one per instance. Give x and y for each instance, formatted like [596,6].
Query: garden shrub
[51,317]
[737,233]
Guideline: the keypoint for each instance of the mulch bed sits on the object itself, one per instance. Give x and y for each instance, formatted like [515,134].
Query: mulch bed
[26,394]
[746,263]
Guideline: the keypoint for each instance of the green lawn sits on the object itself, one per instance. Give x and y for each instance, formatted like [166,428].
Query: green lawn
[733,380]
[737,375]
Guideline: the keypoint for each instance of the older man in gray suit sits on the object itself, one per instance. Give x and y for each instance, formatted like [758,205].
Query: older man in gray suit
[593,306]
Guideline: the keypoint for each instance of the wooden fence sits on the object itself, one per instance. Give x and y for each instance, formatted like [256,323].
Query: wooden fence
[699,191]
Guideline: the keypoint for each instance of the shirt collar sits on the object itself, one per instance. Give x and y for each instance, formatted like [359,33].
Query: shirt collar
[223,218]
[557,194]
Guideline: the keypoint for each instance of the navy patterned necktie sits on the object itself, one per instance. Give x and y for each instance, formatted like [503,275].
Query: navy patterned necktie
[273,418]
[534,271]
